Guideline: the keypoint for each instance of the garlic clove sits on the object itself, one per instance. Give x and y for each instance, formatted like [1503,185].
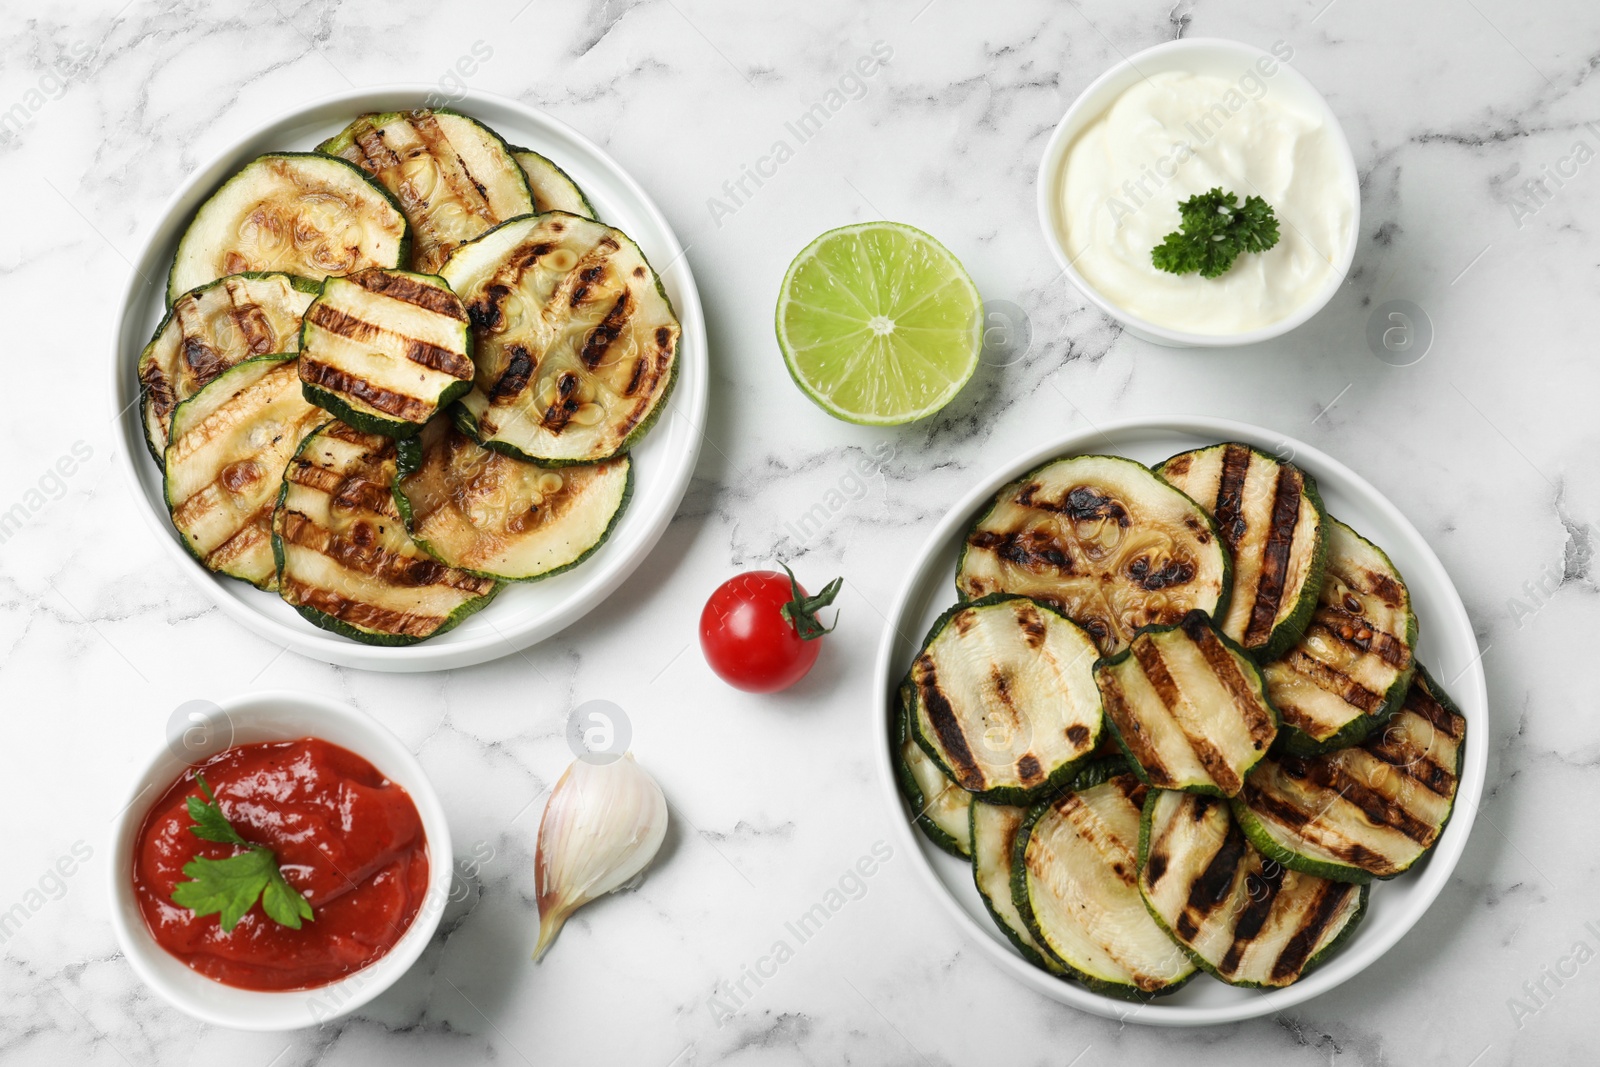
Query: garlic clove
[603,825]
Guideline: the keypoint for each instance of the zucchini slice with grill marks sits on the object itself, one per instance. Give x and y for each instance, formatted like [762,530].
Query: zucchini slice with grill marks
[1188,706]
[1354,662]
[1270,515]
[453,176]
[938,804]
[210,329]
[299,212]
[385,350]
[345,561]
[498,517]
[230,443]
[993,838]
[551,188]
[1075,870]
[1004,698]
[576,340]
[1370,811]
[1246,919]
[1104,541]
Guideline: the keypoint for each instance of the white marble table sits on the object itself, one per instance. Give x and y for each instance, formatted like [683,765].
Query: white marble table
[1451,106]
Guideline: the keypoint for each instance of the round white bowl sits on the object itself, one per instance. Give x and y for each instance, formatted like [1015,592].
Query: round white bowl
[1447,646]
[275,716]
[1197,55]
[523,613]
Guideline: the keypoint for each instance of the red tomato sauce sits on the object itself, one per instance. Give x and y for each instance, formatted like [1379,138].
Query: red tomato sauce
[345,836]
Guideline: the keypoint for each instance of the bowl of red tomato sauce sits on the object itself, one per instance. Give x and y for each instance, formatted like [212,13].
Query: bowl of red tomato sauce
[281,861]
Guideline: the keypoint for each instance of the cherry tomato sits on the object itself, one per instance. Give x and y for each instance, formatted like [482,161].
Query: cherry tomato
[759,630]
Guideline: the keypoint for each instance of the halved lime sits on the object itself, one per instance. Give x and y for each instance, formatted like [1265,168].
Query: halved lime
[879,323]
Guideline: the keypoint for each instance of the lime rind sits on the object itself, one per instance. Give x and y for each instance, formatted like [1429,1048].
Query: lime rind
[930,314]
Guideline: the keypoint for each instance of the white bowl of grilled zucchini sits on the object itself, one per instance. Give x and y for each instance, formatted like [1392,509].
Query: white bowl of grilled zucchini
[1176,719]
[397,384]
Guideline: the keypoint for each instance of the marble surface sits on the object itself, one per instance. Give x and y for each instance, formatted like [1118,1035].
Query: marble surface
[1451,107]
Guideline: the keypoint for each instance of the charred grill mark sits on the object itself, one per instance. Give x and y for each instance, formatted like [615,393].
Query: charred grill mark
[432,356]
[963,621]
[1421,701]
[610,328]
[358,550]
[484,313]
[1155,867]
[635,377]
[1078,734]
[1131,731]
[1214,885]
[1296,819]
[202,360]
[519,370]
[1261,892]
[1329,900]
[375,155]
[410,291]
[1174,572]
[452,168]
[250,532]
[1379,810]
[942,717]
[1090,829]
[1332,680]
[1354,631]
[1178,466]
[342,323]
[1031,624]
[1385,588]
[1230,495]
[1032,549]
[1415,763]
[1275,558]
[586,278]
[158,389]
[1028,769]
[1226,668]
[1082,503]
[250,320]
[663,336]
[333,379]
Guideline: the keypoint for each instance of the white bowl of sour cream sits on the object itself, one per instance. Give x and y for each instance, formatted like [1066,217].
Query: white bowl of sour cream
[1177,120]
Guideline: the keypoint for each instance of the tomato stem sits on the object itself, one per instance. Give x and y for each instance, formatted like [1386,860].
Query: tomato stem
[801,612]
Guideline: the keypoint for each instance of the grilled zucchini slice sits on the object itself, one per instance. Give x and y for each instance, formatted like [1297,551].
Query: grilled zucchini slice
[992,841]
[1104,541]
[453,176]
[938,804]
[551,188]
[298,212]
[385,350]
[1004,698]
[498,517]
[1246,919]
[576,341]
[1365,812]
[345,561]
[1352,666]
[1188,706]
[1270,516]
[210,329]
[1075,870]
[230,443]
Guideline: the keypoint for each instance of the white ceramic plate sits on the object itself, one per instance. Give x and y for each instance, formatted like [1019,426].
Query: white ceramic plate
[523,613]
[1447,646]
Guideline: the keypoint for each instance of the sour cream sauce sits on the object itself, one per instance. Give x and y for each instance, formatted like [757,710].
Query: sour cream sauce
[1172,135]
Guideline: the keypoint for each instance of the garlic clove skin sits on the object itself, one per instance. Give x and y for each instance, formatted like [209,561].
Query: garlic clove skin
[603,825]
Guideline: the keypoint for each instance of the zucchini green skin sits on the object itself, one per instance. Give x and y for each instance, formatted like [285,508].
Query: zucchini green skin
[410,456]
[1233,646]
[917,799]
[327,622]
[298,283]
[1096,773]
[1296,742]
[467,424]
[1058,780]
[404,255]
[1269,847]
[366,421]
[1316,960]
[1225,589]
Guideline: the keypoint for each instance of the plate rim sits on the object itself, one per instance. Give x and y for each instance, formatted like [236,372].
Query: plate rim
[1352,959]
[689,399]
